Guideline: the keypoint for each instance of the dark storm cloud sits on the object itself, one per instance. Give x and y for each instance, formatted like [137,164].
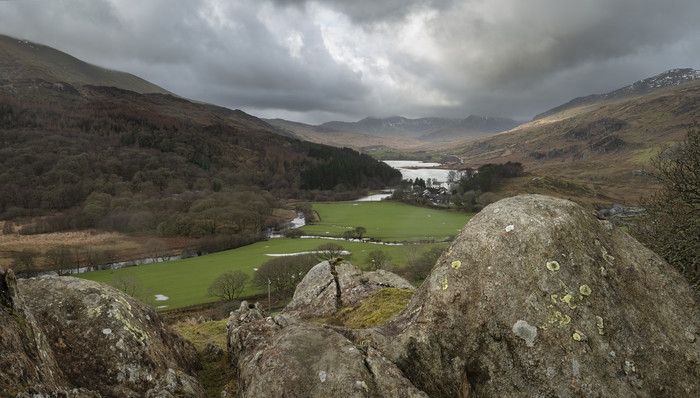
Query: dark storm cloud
[371,11]
[222,52]
[350,59]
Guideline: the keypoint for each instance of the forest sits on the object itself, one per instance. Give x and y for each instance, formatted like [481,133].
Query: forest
[97,157]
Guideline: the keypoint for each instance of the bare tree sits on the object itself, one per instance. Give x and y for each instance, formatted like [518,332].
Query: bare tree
[60,259]
[25,261]
[284,273]
[328,251]
[157,249]
[132,286]
[229,285]
[377,259]
[672,225]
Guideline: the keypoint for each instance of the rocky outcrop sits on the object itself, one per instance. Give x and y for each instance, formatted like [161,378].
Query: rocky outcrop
[535,297]
[27,364]
[332,285]
[283,357]
[538,297]
[107,344]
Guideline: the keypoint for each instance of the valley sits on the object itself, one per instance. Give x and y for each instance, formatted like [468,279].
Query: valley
[420,255]
[408,231]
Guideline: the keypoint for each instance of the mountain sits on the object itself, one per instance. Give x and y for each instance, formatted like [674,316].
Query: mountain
[670,78]
[603,144]
[21,59]
[75,155]
[396,133]
[401,126]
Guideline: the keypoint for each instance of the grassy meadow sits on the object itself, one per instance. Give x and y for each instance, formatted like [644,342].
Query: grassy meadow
[387,221]
[185,282]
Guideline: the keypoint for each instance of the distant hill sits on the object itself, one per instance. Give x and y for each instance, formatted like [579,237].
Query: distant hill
[422,127]
[21,59]
[603,142]
[398,133]
[673,77]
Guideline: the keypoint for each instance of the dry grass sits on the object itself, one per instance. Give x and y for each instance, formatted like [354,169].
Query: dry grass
[124,246]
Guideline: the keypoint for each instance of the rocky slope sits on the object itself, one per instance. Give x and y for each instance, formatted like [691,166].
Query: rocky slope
[673,77]
[64,336]
[535,297]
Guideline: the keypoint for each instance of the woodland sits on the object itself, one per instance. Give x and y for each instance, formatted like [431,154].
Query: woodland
[97,157]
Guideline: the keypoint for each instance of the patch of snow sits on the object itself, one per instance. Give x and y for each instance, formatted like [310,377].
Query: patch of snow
[160,297]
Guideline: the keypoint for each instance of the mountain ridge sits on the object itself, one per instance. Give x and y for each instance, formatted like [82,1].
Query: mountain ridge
[22,59]
[605,146]
[671,77]
[399,125]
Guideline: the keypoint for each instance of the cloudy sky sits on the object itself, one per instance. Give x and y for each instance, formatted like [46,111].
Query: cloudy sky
[321,60]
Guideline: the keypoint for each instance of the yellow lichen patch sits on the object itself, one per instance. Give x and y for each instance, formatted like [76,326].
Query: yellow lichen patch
[565,321]
[599,323]
[94,312]
[585,290]
[576,336]
[456,264]
[136,332]
[444,284]
[554,298]
[570,300]
[554,317]
[553,265]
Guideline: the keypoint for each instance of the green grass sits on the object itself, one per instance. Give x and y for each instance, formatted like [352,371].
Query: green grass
[216,373]
[185,282]
[387,221]
[373,311]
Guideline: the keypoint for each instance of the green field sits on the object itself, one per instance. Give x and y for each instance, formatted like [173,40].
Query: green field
[185,282]
[387,221]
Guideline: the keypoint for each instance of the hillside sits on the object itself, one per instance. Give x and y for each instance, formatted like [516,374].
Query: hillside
[673,77]
[76,156]
[21,59]
[602,145]
[397,133]
[358,141]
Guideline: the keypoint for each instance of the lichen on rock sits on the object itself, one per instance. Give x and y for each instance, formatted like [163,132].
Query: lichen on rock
[109,343]
[505,325]
[525,331]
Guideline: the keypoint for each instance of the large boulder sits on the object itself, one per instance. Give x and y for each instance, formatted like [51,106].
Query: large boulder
[332,285]
[282,357]
[539,297]
[535,297]
[108,342]
[27,363]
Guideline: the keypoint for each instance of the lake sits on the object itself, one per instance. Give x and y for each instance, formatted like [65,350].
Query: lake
[412,169]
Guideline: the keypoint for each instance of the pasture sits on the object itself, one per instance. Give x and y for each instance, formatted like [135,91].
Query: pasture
[387,221]
[185,282]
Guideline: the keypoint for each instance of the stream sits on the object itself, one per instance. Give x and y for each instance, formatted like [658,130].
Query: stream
[409,170]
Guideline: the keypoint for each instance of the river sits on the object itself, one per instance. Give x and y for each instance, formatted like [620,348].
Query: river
[410,170]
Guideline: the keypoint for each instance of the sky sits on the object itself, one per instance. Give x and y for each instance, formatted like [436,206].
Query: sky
[322,60]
